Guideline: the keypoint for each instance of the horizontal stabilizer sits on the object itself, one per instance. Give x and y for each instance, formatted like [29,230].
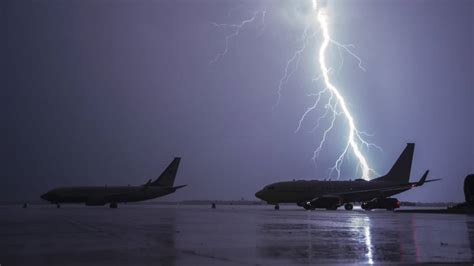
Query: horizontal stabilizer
[432,180]
[423,179]
[173,189]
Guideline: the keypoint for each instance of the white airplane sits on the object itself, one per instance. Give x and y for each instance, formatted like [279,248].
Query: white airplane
[373,194]
[94,196]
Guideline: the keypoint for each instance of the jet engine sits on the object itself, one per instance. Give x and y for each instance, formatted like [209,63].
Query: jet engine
[330,203]
[95,202]
[386,203]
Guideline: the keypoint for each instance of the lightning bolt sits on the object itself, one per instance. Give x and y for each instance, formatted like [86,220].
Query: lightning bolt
[292,64]
[354,139]
[235,31]
[336,104]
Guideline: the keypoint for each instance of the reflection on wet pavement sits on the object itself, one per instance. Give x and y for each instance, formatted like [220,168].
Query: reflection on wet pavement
[366,237]
[199,235]
[319,239]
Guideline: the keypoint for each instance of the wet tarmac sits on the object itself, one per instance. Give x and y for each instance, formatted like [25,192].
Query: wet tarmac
[228,235]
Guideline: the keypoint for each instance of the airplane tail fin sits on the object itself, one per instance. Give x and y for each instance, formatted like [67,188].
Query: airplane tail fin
[166,178]
[400,172]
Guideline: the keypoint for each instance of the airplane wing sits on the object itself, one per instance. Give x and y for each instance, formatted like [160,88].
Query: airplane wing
[360,195]
[368,194]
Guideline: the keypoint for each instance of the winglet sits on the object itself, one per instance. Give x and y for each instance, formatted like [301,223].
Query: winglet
[422,180]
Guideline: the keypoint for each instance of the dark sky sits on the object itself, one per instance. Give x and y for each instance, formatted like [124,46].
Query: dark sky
[108,92]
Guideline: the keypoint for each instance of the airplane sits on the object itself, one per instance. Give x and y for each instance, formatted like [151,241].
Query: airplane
[374,194]
[98,196]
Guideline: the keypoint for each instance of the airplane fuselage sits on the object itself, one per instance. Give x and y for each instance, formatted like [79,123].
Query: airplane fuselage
[302,191]
[103,195]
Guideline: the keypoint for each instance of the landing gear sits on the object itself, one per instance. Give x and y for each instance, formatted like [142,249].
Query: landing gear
[348,206]
[58,205]
[365,206]
[390,204]
[113,205]
[277,207]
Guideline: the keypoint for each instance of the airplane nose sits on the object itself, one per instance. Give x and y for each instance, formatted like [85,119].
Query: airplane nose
[47,196]
[259,194]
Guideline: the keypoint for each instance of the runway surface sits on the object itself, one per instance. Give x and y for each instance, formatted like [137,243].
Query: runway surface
[228,235]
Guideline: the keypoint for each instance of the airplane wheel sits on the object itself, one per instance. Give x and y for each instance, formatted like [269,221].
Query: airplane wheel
[113,205]
[348,207]
[277,207]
